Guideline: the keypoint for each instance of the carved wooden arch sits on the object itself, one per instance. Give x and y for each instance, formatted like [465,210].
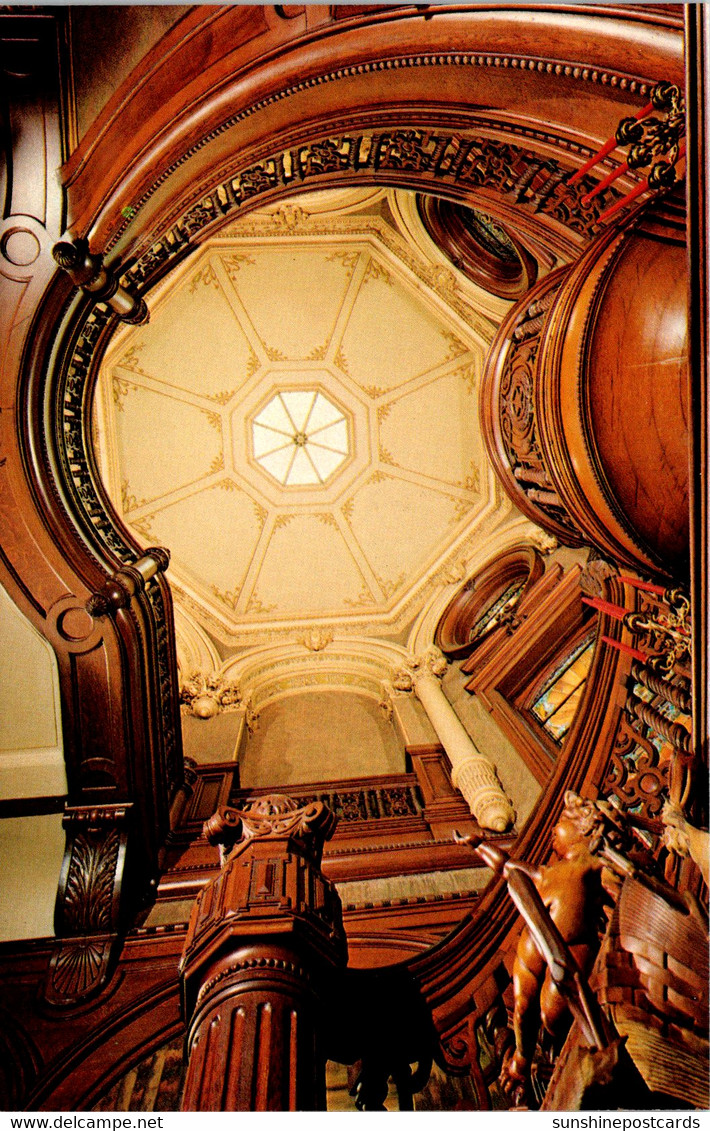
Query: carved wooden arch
[125,1033]
[522,564]
[202,133]
[245,82]
[232,130]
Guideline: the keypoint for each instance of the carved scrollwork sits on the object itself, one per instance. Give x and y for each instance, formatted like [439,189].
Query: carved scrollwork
[517,418]
[457,1049]
[409,149]
[595,575]
[78,969]
[635,775]
[273,816]
[327,156]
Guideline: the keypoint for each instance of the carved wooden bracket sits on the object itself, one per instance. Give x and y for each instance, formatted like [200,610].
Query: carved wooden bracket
[87,913]
[127,581]
[88,273]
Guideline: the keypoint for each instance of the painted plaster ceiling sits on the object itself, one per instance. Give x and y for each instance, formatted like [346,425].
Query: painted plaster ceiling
[298,422]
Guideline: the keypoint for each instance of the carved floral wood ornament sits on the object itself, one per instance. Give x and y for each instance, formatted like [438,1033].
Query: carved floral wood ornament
[272,816]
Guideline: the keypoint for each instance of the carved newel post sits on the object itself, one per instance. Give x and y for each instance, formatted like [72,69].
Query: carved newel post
[264,943]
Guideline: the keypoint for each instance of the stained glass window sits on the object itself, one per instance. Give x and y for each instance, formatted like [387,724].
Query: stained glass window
[557,702]
[490,617]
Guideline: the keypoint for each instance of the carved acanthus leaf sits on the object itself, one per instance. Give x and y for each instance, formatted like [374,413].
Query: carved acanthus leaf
[206,695]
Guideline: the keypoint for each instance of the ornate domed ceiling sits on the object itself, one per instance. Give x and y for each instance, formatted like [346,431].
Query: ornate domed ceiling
[298,422]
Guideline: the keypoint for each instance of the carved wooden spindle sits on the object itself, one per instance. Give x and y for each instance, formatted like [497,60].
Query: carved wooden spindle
[127,581]
[87,272]
[264,940]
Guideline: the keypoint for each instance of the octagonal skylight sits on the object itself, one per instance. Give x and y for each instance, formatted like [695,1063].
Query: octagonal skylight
[300,437]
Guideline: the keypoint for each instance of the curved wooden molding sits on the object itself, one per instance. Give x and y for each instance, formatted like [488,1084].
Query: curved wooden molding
[507,276]
[522,563]
[611,390]
[508,412]
[177,110]
[456,977]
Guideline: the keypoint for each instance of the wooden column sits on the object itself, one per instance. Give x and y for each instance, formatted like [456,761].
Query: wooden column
[264,942]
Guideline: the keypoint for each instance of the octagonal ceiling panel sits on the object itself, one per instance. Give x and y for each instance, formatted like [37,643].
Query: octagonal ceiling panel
[230,525]
[286,275]
[340,311]
[434,430]
[300,437]
[332,578]
[410,339]
[412,522]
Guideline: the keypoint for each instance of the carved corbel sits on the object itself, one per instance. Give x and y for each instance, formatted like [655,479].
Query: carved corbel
[595,575]
[87,912]
[127,581]
[208,695]
[88,273]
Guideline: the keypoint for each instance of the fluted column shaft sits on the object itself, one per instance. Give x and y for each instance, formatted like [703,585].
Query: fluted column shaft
[253,1041]
[471,772]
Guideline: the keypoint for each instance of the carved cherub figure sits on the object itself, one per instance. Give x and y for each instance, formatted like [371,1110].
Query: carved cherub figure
[572,891]
[573,896]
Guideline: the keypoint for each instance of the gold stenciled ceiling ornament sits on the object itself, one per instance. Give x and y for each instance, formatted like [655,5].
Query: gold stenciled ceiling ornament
[299,426]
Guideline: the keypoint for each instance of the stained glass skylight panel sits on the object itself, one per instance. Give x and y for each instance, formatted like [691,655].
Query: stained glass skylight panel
[300,438]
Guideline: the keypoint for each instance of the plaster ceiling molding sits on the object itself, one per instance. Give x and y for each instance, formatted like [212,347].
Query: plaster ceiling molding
[323,203]
[515,531]
[275,672]
[195,650]
[337,315]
